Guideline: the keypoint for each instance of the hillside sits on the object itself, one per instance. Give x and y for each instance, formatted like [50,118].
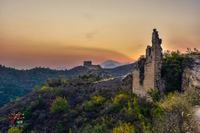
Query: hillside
[16,83]
[88,104]
[36,105]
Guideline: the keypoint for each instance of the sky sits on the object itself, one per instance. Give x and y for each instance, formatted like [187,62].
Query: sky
[61,34]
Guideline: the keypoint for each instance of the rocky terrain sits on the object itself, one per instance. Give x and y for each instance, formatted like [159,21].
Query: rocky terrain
[191,73]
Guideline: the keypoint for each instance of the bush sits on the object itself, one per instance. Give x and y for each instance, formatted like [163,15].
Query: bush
[124,128]
[14,130]
[120,99]
[59,105]
[98,99]
[54,91]
[172,69]
[177,115]
[155,94]
[93,102]
[95,129]
[45,89]
[88,105]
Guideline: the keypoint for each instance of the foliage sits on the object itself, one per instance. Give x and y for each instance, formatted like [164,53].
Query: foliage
[14,130]
[90,77]
[172,70]
[60,128]
[105,110]
[57,82]
[32,106]
[155,94]
[88,105]
[195,51]
[95,129]
[98,99]
[93,102]
[52,90]
[120,99]
[45,89]
[124,128]
[177,115]
[59,105]
[17,83]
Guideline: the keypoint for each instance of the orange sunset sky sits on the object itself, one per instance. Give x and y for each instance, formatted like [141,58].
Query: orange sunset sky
[62,33]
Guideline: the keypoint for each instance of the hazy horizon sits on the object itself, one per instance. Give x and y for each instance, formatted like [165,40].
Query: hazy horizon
[65,67]
[63,33]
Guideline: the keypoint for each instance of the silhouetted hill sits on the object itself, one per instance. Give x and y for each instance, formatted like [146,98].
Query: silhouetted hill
[16,83]
[121,70]
[110,64]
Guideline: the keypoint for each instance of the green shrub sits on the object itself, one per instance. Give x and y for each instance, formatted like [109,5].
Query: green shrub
[172,69]
[88,105]
[97,99]
[177,115]
[157,111]
[93,102]
[155,94]
[60,127]
[95,129]
[45,89]
[14,130]
[124,128]
[120,99]
[52,90]
[36,88]
[59,105]
[28,110]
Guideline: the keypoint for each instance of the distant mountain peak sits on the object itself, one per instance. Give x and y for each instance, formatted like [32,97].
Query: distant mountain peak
[110,64]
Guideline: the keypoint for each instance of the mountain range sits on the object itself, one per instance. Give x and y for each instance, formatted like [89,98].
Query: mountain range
[15,83]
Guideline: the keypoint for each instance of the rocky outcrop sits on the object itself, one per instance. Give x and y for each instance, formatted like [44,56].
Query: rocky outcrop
[191,73]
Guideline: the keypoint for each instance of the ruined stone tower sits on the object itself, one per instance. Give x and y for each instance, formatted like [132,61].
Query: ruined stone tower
[147,74]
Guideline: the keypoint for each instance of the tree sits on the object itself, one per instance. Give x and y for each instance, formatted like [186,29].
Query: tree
[172,69]
[60,104]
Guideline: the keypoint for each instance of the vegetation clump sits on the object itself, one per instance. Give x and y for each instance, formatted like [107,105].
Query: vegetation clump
[93,102]
[177,112]
[124,128]
[14,130]
[172,69]
[60,104]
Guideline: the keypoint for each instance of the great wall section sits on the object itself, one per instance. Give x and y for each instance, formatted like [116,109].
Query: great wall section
[147,73]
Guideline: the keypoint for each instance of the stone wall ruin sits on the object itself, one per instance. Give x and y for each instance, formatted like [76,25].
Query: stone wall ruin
[147,74]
